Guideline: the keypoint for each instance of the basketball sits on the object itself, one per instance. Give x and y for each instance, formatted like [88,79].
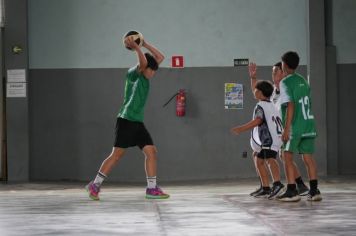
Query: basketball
[137,36]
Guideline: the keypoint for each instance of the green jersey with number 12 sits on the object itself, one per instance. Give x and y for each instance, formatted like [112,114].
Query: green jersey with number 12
[294,88]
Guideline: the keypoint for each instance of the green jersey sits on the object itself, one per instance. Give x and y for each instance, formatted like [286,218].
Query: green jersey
[136,92]
[294,88]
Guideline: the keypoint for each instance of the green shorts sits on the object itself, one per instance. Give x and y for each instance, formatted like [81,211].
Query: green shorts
[300,145]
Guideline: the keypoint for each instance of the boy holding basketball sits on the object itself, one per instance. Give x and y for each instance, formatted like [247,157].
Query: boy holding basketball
[130,129]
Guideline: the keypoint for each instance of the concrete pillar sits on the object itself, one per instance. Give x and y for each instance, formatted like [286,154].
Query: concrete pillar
[317,76]
[332,89]
[17,115]
[3,175]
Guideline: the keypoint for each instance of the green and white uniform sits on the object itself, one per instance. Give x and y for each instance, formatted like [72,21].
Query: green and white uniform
[294,88]
[136,93]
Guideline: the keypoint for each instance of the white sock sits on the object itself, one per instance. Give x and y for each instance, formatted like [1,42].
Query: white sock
[151,181]
[100,177]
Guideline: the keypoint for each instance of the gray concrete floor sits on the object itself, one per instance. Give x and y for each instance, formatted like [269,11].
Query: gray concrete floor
[214,208]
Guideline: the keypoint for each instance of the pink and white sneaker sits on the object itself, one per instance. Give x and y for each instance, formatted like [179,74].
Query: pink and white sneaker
[156,193]
[93,191]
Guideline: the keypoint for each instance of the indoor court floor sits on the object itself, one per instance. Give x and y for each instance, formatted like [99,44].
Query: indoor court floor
[199,208]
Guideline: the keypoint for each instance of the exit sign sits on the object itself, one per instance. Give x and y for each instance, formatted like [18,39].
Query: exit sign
[241,62]
[177,61]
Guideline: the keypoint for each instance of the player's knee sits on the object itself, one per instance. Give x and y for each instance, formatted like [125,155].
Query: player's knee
[307,160]
[152,157]
[116,155]
[273,163]
[150,152]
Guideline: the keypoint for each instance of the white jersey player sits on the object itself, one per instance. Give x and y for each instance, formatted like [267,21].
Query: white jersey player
[267,135]
[265,139]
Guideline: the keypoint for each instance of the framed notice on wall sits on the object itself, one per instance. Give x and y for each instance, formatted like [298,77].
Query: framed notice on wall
[16,90]
[16,83]
[233,96]
[16,76]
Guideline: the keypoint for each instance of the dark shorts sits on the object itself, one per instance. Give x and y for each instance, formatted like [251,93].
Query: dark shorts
[266,154]
[131,133]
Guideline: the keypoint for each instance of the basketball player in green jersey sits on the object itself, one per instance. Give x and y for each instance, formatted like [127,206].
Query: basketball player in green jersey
[130,129]
[299,127]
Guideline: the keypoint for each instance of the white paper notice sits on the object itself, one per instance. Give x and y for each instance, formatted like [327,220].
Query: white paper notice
[16,76]
[15,90]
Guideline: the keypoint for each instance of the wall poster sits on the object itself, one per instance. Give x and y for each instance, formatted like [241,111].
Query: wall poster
[233,96]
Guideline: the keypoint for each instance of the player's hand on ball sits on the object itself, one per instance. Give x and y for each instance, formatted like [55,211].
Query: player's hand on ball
[130,36]
[130,42]
[144,44]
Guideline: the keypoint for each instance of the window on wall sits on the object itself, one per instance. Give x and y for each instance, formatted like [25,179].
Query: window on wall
[2,13]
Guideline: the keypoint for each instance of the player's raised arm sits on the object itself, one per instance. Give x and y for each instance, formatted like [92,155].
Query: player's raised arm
[157,54]
[142,61]
[252,70]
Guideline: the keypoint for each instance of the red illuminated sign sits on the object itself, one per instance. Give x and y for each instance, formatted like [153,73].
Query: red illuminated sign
[177,61]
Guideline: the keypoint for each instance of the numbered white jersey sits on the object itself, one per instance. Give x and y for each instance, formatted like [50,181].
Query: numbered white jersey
[268,134]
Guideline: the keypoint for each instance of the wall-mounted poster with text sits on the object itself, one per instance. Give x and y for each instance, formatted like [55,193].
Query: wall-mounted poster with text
[233,96]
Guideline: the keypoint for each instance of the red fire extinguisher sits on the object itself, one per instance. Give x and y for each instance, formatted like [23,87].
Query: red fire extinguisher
[180,102]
